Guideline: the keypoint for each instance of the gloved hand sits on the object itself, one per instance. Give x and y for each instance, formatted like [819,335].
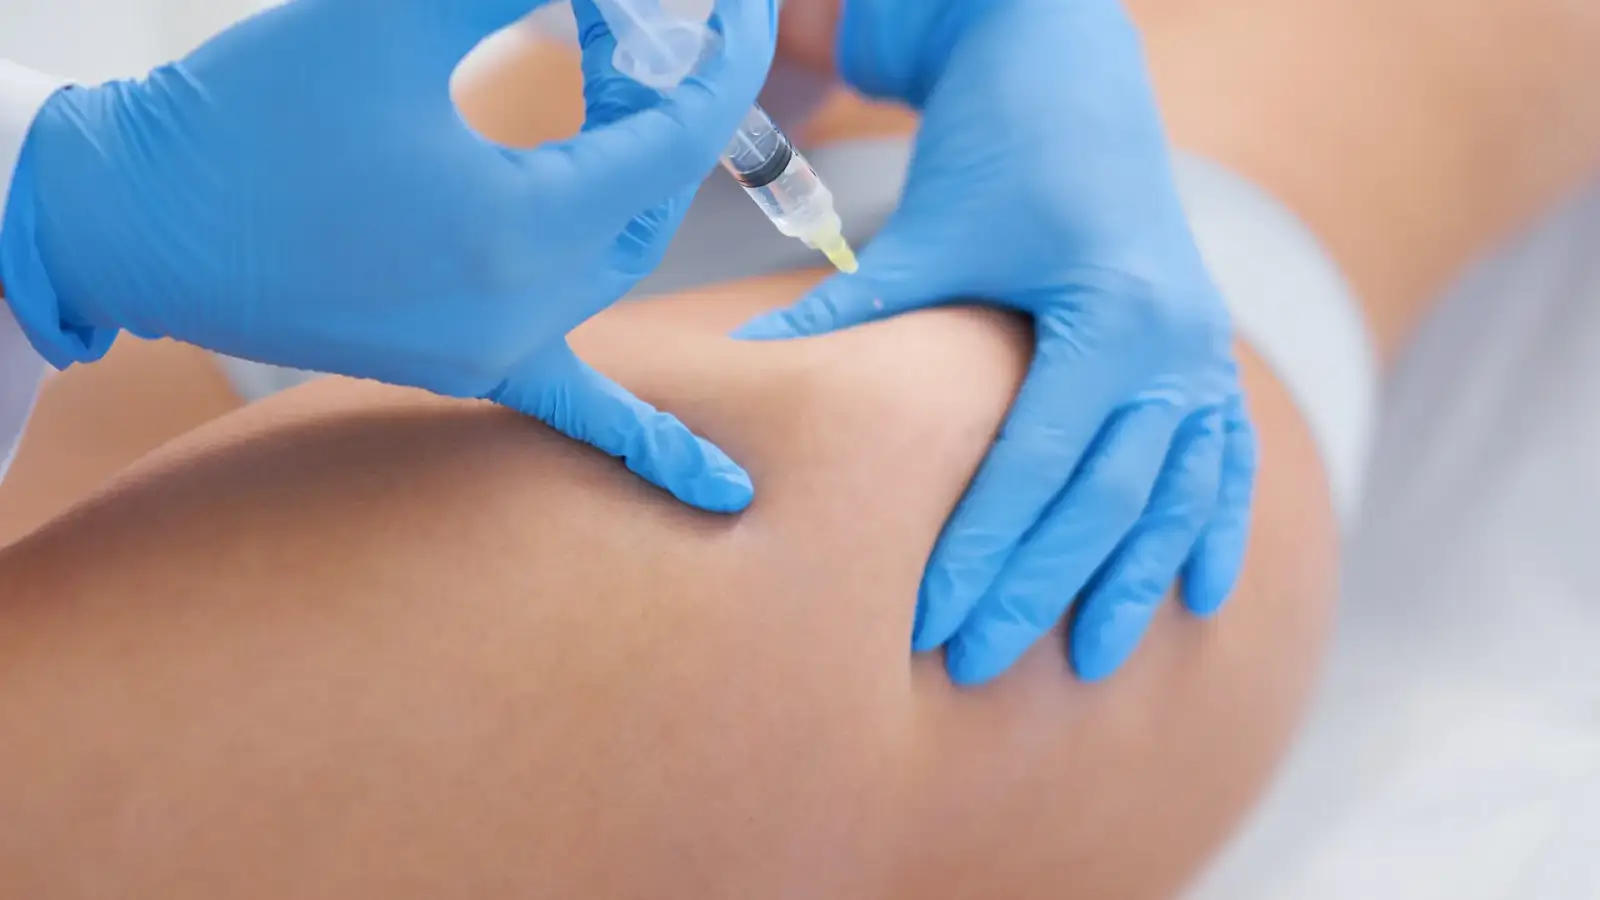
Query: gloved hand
[302,191]
[1041,181]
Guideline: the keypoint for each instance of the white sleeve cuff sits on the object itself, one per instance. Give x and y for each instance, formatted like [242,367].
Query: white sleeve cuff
[21,370]
[22,93]
[1291,302]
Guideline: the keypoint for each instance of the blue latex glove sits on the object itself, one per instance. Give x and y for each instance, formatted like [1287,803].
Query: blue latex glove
[302,191]
[1041,181]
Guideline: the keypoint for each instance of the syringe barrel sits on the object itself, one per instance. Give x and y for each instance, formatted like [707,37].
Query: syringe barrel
[759,152]
[795,199]
[659,48]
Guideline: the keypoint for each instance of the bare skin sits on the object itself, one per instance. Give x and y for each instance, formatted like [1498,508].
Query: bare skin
[187,741]
[360,642]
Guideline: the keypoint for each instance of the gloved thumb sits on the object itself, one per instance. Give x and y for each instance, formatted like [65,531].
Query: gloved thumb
[608,95]
[643,242]
[565,393]
[894,278]
[644,157]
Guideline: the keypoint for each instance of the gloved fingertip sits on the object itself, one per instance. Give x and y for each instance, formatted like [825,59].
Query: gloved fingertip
[663,451]
[725,492]
[1105,635]
[985,651]
[719,485]
[938,613]
[1210,577]
[972,663]
[921,642]
[917,621]
[773,326]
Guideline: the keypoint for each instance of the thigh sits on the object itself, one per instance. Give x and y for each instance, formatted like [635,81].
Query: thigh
[356,641]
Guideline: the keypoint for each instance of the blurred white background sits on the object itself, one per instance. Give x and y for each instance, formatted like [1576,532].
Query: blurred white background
[91,40]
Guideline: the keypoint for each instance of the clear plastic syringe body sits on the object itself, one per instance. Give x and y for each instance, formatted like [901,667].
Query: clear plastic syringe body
[658,49]
[781,181]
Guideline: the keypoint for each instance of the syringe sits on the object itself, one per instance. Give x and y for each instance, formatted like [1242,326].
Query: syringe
[659,50]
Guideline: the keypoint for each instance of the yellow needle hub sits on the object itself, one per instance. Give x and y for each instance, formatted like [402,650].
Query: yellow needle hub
[838,251]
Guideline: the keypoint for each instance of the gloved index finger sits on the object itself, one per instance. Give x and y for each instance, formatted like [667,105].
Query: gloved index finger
[611,173]
[897,275]
[840,302]
[565,393]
